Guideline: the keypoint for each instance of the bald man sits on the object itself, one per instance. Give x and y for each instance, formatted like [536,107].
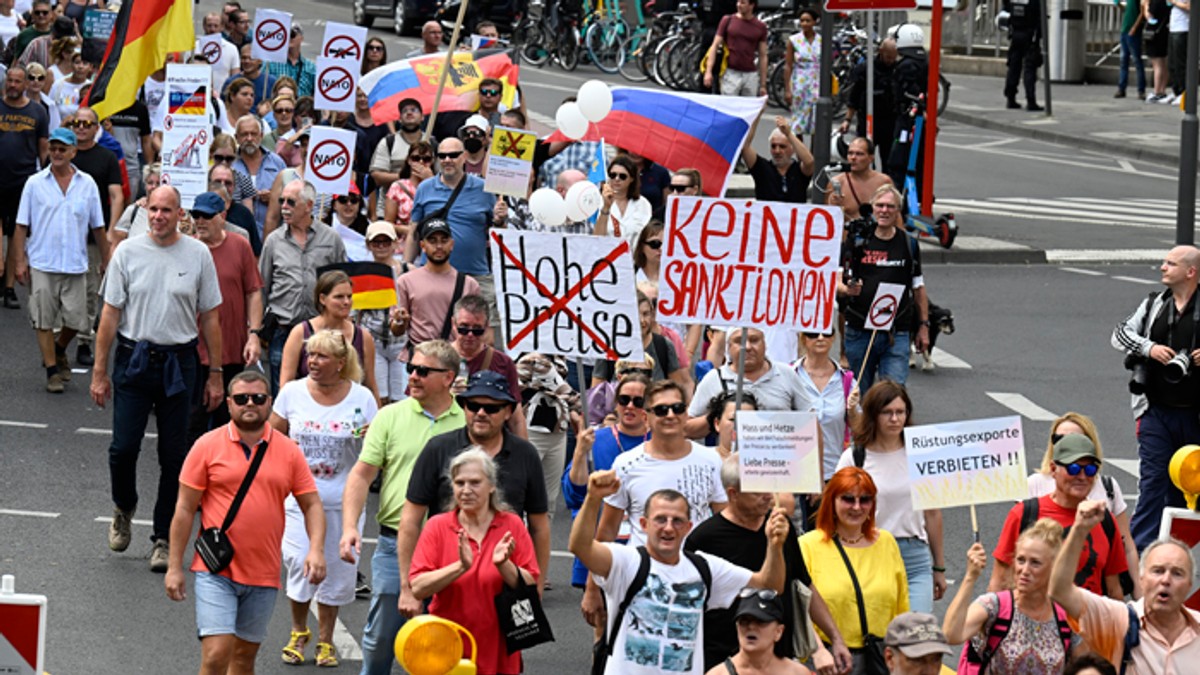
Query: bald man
[1159,340]
[431,40]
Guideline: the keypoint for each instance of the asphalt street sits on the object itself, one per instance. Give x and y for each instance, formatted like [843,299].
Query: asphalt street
[1032,340]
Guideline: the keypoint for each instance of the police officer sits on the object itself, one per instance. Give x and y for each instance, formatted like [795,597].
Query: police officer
[1024,50]
[885,106]
[910,83]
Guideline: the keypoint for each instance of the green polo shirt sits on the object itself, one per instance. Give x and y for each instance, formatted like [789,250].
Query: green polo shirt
[394,441]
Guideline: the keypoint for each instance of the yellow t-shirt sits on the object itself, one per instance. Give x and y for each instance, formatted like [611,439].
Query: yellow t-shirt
[880,572]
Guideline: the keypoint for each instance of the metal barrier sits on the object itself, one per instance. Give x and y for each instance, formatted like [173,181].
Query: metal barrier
[973,29]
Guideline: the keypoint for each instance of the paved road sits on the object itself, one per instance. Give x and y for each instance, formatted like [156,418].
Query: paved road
[1032,340]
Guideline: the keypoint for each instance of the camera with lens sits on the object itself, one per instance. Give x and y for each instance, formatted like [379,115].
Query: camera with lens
[1177,368]
[1139,373]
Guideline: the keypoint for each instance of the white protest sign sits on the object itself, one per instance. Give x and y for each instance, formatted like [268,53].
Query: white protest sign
[210,48]
[337,79]
[961,463]
[330,156]
[511,162]
[884,307]
[272,29]
[566,294]
[741,262]
[344,41]
[777,451]
[187,129]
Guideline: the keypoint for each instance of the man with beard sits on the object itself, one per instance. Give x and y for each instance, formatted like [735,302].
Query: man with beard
[290,259]
[237,25]
[853,188]
[255,161]
[785,178]
[391,152]
[24,144]
[252,69]
[235,605]
[300,69]
[426,295]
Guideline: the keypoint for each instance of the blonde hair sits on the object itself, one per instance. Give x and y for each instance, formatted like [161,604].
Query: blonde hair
[334,343]
[1089,430]
[1046,530]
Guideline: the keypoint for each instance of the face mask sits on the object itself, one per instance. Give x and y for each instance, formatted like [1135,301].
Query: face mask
[473,145]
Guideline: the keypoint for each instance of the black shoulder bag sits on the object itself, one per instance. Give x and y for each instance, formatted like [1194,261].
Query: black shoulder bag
[443,213]
[871,661]
[212,545]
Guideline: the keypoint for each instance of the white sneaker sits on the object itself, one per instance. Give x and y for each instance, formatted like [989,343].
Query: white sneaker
[1168,99]
[1155,98]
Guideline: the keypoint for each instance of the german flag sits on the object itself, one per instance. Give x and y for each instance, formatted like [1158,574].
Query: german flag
[145,32]
[373,284]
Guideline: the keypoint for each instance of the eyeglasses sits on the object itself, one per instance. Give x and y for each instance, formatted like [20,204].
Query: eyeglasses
[450,155]
[349,199]
[41,12]
[287,201]
[36,78]
[645,372]
[424,371]
[861,500]
[197,215]
[424,159]
[224,159]
[489,92]
[284,111]
[471,330]
[678,188]
[83,124]
[654,244]
[885,205]
[56,147]
[760,593]
[1074,468]
[374,48]
[243,399]
[474,134]
[489,408]
[618,176]
[637,401]
[380,241]
[662,409]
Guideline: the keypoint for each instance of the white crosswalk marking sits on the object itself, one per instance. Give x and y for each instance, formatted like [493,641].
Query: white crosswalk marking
[343,641]
[944,359]
[1022,406]
[1157,214]
[1127,465]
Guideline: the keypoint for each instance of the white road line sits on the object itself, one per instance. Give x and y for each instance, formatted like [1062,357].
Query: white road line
[1023,406]
[1096,255]
[1135,280]
[561,554]
[1129,466]
[957,208]
[944,359]
[23,425]
[30,514]
[1058,160]
[106,432]
[135,521]
[1048,209]
[1127,165]
[1076,270]
[995,144]
[343,641]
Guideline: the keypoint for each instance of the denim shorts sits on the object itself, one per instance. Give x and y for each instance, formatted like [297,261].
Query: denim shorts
[225,607]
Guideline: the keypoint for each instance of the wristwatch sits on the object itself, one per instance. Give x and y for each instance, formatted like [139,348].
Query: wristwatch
[256,331]
[925,323]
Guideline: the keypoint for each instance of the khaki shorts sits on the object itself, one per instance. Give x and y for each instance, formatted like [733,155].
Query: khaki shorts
[58,300]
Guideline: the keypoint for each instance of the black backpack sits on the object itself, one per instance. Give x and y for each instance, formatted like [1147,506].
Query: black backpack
[1029,516]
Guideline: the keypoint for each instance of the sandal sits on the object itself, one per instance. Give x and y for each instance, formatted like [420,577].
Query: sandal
[326,655]
[293,653]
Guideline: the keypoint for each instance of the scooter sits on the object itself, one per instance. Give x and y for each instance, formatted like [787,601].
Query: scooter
[944,228]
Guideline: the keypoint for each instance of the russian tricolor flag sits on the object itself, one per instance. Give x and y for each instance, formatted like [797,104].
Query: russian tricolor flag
[418,78]
[679,130]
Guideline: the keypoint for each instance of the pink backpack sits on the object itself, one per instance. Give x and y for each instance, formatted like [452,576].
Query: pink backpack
[973,663]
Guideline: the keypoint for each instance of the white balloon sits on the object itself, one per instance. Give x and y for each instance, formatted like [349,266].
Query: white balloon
[571,121]
[595,100]
[583,199]
[548,207]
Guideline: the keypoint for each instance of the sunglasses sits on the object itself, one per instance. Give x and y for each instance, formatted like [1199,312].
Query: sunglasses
[380,241]
[489,408]
[489,92]
[424,159]
[618,176]
[662,409]
[1055,438]
[645,372]
[42,12]
[861,500]
[287,201]
[637,401]
[284,111]
[765,594]
[678,188]
[1074,468]
[243,399]
[654,244]
[82,124]
[196,215]
[450,155]
[374,48]
[349,199]
[473,134]
[224,159]
[424,371]
[471,330]
[37,78]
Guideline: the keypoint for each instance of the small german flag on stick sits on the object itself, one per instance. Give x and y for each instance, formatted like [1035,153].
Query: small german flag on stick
[373,283]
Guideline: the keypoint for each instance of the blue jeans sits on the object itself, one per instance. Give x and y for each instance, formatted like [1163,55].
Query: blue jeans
[275,356]
[888,359]
[1131,49]
[383,618]
[225,607]
[918,565]
[1160,432]
[133,400]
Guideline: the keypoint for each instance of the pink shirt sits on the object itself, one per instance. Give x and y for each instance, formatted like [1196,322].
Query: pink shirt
[426,295]
[1103,624]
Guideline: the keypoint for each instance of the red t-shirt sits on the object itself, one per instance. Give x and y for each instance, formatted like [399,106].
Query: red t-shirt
[501,363]
[742,37]
[237,276]
[216,466]
[1100,557]
[470,599]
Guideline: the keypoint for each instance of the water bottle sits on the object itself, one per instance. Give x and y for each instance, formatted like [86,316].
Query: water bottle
[464,374]
[358,423]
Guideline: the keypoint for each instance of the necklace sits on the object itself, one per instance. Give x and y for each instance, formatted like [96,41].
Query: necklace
[852,541]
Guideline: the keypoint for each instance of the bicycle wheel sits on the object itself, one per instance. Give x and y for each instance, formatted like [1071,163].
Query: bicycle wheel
[568,48]
[603,42]
[632,49]
[943,96]
[777,85]
[662,55]
[531,42]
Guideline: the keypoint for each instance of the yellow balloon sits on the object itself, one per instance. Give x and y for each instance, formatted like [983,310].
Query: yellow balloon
[1185,473]
[431,645]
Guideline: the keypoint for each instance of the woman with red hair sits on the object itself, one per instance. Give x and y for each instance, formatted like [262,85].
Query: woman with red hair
[847,556]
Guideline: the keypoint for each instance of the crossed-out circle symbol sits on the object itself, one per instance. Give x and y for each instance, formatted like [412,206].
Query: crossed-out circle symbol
[211,52]
[337,152]
[202,136]
[884,307]
[335,47]
[271,35]
[168,122]
[330,84]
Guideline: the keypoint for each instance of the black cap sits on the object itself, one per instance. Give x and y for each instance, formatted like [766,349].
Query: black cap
[760,608]
[433,226]
[490,384]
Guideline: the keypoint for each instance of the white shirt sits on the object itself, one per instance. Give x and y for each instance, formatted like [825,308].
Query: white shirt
[697,476]
[65,96]
[893,498]
[632,220]
[58,223]
[8,27]
[228,60]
